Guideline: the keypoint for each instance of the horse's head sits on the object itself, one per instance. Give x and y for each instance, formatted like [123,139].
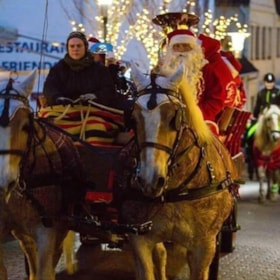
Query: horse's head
[271,120]
[15,116]
[158,116]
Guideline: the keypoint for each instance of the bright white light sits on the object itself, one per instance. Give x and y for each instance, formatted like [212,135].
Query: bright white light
[238,39]
[105,2]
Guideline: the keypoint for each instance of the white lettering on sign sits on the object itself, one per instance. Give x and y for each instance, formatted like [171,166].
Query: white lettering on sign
[29,55]
[25,65]
[20,47]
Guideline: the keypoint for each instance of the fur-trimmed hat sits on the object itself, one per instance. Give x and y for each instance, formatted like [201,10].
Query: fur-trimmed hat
[210,45]
[77,34]
[181,36]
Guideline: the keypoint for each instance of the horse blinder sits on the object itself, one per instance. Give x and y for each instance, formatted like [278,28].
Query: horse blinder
[178,119]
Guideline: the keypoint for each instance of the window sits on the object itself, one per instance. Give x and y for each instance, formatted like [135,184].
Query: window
[277,5]
[257,45]
[269,43]
[277,40]
[264,46]
[252,42]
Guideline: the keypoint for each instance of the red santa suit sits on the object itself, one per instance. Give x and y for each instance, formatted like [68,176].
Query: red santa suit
[216,79]
[214,75]
[236,96]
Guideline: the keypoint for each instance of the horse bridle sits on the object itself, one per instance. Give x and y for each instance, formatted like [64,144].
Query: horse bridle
[272,130]
[153,89]
[4,118]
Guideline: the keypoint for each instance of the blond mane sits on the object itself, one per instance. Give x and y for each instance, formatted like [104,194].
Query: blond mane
[262,140]
[194,114]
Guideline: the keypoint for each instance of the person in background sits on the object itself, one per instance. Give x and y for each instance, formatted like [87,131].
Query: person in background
[103,53]
[78,74]
[270,94]
[97,57]
[122,81]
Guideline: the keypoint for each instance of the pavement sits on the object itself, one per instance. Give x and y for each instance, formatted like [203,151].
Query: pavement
[256,255]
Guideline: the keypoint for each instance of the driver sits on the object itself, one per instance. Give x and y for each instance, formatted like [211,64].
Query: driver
[78,74]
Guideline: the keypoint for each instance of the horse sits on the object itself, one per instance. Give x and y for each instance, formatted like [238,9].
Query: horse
[181,180]
[266,149]
[32,168]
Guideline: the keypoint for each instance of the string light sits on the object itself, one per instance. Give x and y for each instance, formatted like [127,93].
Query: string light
[77,26]
[127,21]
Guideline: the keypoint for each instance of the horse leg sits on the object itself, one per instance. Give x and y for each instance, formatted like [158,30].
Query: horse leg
[200,258]
[268,180]
[46,243]
[4,229]
[261,176]
[160,261]
[143,255]
[28,246]
[274,188]
[69,252]
[3,271]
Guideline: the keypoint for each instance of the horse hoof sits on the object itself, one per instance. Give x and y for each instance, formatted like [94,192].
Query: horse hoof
[273,197]
[261,199]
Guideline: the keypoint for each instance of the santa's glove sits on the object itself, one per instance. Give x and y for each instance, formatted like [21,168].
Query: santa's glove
[213,127]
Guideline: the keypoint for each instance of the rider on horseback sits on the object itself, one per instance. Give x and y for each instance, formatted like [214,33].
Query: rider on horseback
[270,94]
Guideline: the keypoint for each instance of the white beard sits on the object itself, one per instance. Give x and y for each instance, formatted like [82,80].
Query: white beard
[193,63]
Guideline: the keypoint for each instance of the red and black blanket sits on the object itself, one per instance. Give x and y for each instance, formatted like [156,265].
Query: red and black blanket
[96,124]
[270,162]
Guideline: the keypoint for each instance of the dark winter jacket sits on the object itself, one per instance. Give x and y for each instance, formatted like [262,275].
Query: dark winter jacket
[71,79]
[266,97]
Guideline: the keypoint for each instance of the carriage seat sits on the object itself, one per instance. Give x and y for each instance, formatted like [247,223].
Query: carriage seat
[232,125]
[94,123]
[103,129]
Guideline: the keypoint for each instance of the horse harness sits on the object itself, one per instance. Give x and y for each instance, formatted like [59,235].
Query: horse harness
[153,89]
[180,193]
[33,141]
[5,118]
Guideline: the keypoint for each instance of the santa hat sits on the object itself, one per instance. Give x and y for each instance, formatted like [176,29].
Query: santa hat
[210,45]
[92,41]
[181,36]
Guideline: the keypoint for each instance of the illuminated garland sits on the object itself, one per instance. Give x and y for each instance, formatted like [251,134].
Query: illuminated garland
[127,20]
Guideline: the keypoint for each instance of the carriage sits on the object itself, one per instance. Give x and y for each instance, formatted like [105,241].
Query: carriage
[168,181]
[112,214]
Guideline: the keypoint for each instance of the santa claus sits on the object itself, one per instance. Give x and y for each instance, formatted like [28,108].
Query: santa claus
[183,47]
[206,71]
